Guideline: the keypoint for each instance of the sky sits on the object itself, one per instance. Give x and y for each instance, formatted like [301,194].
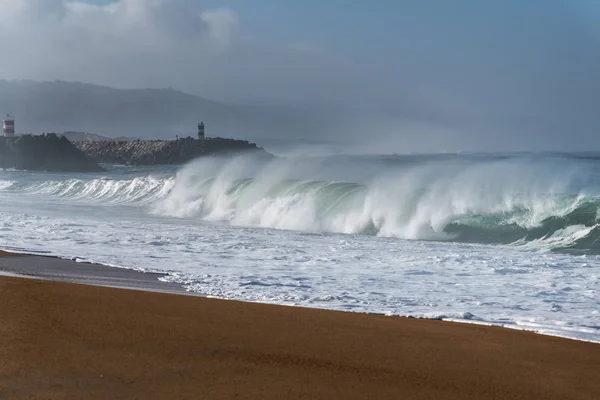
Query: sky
[517,64]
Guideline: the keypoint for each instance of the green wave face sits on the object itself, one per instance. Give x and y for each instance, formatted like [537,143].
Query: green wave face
[553,221]
[549,204]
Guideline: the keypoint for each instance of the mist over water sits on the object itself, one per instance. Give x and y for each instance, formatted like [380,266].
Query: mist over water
[473,198]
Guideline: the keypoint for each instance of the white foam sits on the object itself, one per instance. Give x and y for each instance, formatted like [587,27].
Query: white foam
[5,184]
[505,285]
[413,203]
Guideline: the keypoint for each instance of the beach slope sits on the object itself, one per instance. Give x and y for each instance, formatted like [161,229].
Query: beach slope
[70,341]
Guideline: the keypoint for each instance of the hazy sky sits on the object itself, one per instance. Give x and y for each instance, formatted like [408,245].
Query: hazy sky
[534,61]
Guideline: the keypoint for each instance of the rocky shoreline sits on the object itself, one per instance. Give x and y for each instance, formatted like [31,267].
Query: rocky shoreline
[47,152]
[55,153]
[161,152]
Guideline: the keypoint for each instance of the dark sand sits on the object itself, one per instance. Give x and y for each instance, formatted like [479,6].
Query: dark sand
[71,341]
[58,269]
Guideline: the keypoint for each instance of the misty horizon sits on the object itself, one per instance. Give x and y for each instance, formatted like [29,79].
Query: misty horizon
[394,76]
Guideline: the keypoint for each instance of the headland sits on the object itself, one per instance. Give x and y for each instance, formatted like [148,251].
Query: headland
[47,152]
[55,153]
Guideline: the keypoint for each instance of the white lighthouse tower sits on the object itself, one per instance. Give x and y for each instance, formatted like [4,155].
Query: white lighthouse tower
[8,126]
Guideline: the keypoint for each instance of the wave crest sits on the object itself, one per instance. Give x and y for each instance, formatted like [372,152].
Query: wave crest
[506,201]
[139,190]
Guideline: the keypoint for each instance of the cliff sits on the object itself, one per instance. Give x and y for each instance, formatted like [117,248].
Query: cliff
[47,152]
[160,152]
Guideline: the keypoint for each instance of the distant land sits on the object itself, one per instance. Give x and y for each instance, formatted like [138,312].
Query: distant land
[48,152]
[162,152]
[60,106]
[56,153]
[405,126]
[124,114]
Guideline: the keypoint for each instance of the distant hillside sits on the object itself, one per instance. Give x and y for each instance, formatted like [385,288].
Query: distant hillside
[146,113]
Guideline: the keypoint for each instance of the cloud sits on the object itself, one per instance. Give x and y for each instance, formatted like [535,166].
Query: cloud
[164,43]
[221,24]
[513,66]
[132,43]
[168,43]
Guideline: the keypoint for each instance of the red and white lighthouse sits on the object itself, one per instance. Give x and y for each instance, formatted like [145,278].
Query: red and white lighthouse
[8,126]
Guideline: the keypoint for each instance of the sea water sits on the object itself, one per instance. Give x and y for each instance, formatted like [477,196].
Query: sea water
[506,239]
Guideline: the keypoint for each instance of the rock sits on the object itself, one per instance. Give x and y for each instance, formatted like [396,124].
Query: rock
[161,152]
[48,152]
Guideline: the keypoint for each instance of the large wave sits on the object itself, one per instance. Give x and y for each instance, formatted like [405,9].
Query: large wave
[539,203]
[139,190]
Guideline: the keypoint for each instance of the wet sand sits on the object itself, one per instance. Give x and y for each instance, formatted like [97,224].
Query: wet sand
[64,270]
[72,341]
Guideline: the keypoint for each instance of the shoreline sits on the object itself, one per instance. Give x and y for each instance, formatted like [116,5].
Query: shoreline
[54,268]
[68,340]
[62,269]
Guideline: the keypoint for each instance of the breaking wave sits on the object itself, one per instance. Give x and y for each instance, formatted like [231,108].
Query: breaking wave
[542,204]
[139,190]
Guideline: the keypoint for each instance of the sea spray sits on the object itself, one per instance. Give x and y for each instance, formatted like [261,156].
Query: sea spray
[499,200]
[435,200]
[206,227]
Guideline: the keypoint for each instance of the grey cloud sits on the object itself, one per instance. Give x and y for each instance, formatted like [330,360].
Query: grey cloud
[468,74]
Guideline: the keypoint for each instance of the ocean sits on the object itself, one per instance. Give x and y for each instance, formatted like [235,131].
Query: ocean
[502,239]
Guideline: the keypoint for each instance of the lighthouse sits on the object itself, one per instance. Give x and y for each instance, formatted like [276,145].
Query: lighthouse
[201,136]
[8,126]
[201,131]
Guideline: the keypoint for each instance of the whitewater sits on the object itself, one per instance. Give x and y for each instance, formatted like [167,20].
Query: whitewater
[503,239]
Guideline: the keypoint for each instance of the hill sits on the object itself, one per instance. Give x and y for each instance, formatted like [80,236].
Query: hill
[60,106]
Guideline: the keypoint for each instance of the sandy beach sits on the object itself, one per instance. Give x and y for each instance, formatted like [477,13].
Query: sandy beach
[63,340]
